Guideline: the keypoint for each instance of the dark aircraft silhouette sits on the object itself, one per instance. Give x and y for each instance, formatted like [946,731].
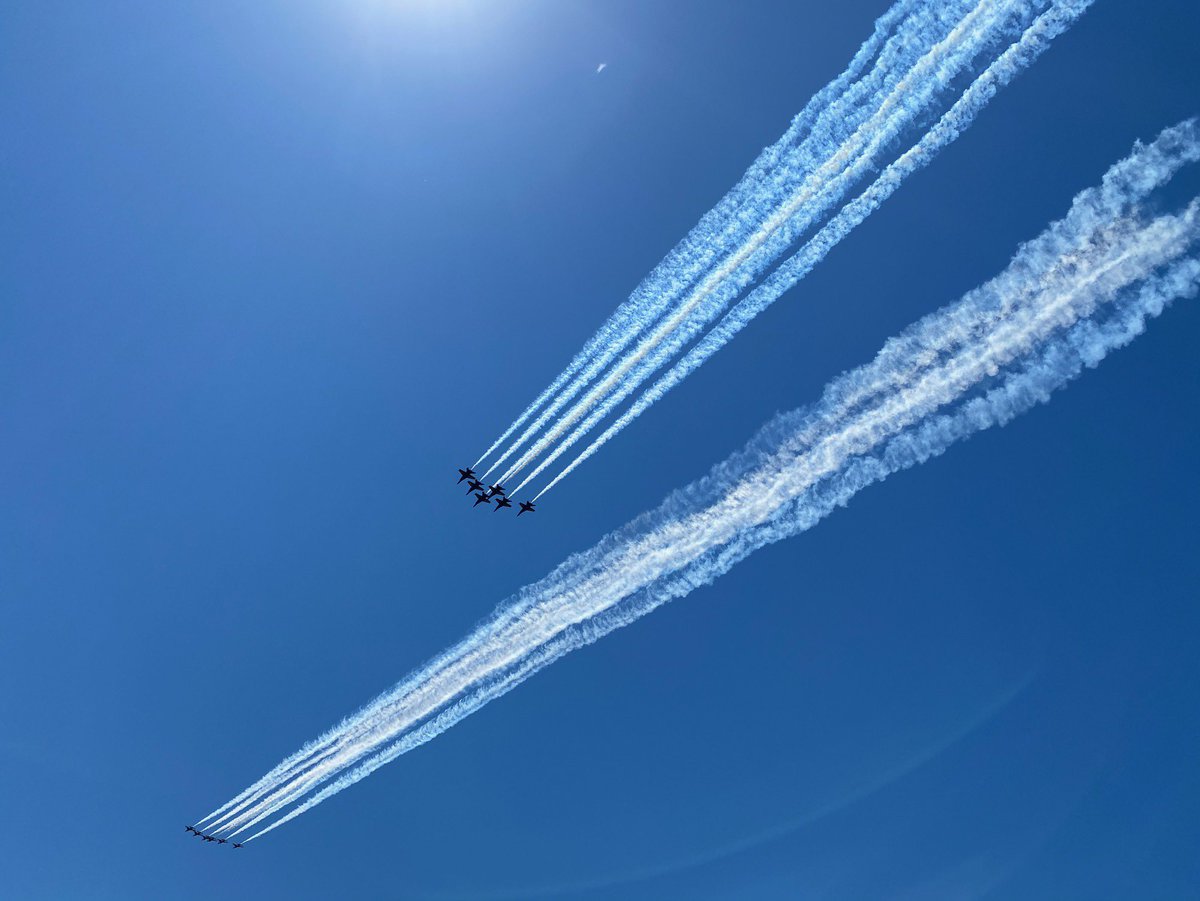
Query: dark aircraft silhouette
[208,838]
[526,507]
[503,502]
[464,474]
[222,841]
[237,844]
[481,499]
[474,485]
[496,489]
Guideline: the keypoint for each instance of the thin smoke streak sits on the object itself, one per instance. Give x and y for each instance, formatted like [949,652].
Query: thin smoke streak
[1156,242]
[1012,336]
[1079,263]
[1013,61]
[931,74]
[1057,363]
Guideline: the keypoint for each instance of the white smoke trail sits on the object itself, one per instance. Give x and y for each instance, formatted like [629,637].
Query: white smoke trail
[1084,345]
[1078,266]
[983,27]
[670,547]
[828,119]
[1017,58]
[1013,61]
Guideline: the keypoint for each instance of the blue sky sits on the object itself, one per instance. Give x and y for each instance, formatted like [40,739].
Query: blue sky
[270,272]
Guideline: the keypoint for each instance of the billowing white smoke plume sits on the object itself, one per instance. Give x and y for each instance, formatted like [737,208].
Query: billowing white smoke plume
[1069,297]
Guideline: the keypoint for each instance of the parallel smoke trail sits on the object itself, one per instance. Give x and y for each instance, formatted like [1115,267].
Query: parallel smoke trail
[984,26]
[901,37]
[502,678]
[826,121]
[1081,289]
[600,594]
[1011,63]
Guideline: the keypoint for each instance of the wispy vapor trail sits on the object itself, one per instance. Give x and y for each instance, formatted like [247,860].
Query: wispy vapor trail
[1012,62]
[961,41]
[1081,289]
[844,162]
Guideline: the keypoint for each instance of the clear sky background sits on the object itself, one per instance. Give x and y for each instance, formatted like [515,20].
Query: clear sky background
[270,271]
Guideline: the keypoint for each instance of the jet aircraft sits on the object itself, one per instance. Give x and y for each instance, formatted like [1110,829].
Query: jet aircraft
[237,844]
[495,489]
[526,507]
[474,485]
[222,841]
[464,474]
[481,499]
[503,502]
[208,838]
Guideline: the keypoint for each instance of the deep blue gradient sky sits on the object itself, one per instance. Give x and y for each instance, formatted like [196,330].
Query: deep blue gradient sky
[269,271]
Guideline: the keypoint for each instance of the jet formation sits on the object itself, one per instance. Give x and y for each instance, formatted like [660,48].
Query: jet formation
[211,838]
[483,494]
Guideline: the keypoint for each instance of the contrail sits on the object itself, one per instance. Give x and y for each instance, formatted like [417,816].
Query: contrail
[1111,176]
[844,161]
[509,643]
[1012,62]
[1070,296]
[897,31]
[979,31]
[1020,389]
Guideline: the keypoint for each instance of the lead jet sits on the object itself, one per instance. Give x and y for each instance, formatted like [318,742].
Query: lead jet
[474,485]
[503,502]
[464,474]
[481,499]
[189,828]
[495,489]
[526,507]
